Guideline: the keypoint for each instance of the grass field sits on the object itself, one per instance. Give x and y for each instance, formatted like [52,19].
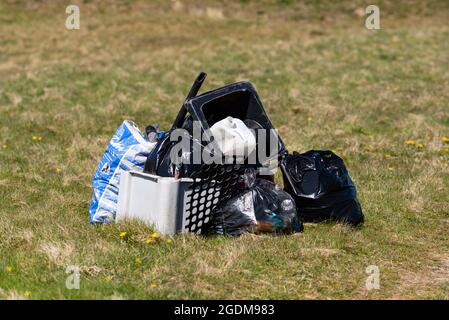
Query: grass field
[379,98]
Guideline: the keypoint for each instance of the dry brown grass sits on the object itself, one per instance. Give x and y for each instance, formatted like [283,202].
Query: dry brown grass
[326,83]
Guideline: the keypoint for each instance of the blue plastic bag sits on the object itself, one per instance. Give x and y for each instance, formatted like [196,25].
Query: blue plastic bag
[127,150]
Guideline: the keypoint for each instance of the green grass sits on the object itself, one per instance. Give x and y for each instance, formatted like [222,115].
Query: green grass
[326,83]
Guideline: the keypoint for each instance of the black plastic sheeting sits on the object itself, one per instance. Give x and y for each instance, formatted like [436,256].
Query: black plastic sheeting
[321,186]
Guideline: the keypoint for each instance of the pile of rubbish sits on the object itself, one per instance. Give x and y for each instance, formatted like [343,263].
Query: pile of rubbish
[215,169]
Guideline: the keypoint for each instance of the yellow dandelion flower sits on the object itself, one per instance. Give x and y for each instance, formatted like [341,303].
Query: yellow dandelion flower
[58,170]
[123,234]
[391,169]
[36,138]
[8,269]
[445,139]
[138,261]
[27,293]
[153,286]
[169,241]
[410,142]
[420,146]
[5,146]
[155,235]
[150,241]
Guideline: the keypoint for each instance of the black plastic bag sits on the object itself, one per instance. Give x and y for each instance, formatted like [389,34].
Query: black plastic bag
[160,162]
[275,209]
[321,186]
[235,217]
[262,208]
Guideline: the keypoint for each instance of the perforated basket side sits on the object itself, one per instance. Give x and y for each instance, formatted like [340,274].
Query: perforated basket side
[212,185]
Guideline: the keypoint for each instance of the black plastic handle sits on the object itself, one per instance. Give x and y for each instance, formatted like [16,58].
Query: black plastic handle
[192,93]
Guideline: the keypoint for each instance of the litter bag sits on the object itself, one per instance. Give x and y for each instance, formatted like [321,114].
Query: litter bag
[274,208]
[264,208]
[160,162]
[234,142]
[127,150]
[322,187]
[235,217]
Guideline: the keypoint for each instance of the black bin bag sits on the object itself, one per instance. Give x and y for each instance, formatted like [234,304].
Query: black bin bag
[260,207]
[235,216]
[275,209]
[159,160]
[321,186]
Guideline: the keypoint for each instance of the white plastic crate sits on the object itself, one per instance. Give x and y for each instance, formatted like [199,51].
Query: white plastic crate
[170,205]
[155,200]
